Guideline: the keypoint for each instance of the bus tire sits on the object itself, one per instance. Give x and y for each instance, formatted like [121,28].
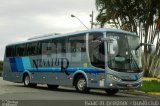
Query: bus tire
[26,81]
[81,84]
[111,91]
[52,86]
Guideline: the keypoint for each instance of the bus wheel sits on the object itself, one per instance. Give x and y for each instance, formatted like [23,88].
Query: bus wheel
[27,83]
[52,86]
[111,91]
[26,80]
[81,84]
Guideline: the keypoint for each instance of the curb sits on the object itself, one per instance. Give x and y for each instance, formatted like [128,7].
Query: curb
[154,93]
[150,78]
[136,92]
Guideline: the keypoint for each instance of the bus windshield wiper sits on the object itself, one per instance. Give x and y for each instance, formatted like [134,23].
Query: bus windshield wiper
[134,61]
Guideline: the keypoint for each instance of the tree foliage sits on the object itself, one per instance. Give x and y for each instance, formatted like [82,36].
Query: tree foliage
[1,65]
[140,16]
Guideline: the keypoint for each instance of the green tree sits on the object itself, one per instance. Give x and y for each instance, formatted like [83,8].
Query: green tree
[140,16]
[1,65]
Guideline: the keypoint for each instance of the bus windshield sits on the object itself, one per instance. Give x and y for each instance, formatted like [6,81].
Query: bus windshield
[126,59]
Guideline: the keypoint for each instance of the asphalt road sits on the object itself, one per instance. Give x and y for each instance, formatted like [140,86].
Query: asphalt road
[16,92]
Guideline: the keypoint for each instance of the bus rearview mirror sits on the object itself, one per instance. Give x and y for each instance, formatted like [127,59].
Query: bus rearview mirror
[152,49]
[112,47]
[107,39]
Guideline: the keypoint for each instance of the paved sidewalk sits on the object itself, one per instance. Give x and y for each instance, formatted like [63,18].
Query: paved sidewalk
[10,87]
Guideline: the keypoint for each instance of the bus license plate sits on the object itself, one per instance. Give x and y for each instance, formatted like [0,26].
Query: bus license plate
[129,85]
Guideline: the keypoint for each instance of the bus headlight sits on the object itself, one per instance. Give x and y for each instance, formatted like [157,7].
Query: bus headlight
[114,77]
[141,78]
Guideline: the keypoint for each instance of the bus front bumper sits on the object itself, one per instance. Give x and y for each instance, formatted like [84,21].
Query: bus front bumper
[115,83]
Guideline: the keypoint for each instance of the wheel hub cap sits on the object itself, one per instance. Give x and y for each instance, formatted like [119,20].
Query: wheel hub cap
[27,80]
[81,84]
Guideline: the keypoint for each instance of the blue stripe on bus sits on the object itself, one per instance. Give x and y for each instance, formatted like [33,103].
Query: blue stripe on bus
[26,62]
[19,64]
[13,64]
[87,70]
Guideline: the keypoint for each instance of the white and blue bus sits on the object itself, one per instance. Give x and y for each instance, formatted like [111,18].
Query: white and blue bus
[108,59]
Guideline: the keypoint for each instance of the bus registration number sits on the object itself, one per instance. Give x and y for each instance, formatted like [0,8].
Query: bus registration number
[129,85]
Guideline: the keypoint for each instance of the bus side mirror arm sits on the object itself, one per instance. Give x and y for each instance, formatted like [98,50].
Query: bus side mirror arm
[143,44]
[147,44]
[138,46]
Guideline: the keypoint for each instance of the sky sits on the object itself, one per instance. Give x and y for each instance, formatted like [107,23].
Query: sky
[22,19]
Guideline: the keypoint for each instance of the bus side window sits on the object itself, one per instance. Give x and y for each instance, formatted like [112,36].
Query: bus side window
[61,46]
[64,41]
[20,50]
[77,43]
[49,47]
[39,48]
[46,47]
[10,51]
[54,47]
[32,48]
[73,48]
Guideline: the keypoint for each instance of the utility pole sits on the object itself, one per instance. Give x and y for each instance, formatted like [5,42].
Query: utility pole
[91,15]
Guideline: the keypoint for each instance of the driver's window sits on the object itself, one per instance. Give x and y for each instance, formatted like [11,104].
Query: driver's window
[96,50]
[117,50]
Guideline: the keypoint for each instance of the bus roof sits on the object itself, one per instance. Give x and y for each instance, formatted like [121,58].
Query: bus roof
[57,35]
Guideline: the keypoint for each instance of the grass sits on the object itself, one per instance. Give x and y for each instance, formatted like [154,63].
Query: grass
[150,86]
